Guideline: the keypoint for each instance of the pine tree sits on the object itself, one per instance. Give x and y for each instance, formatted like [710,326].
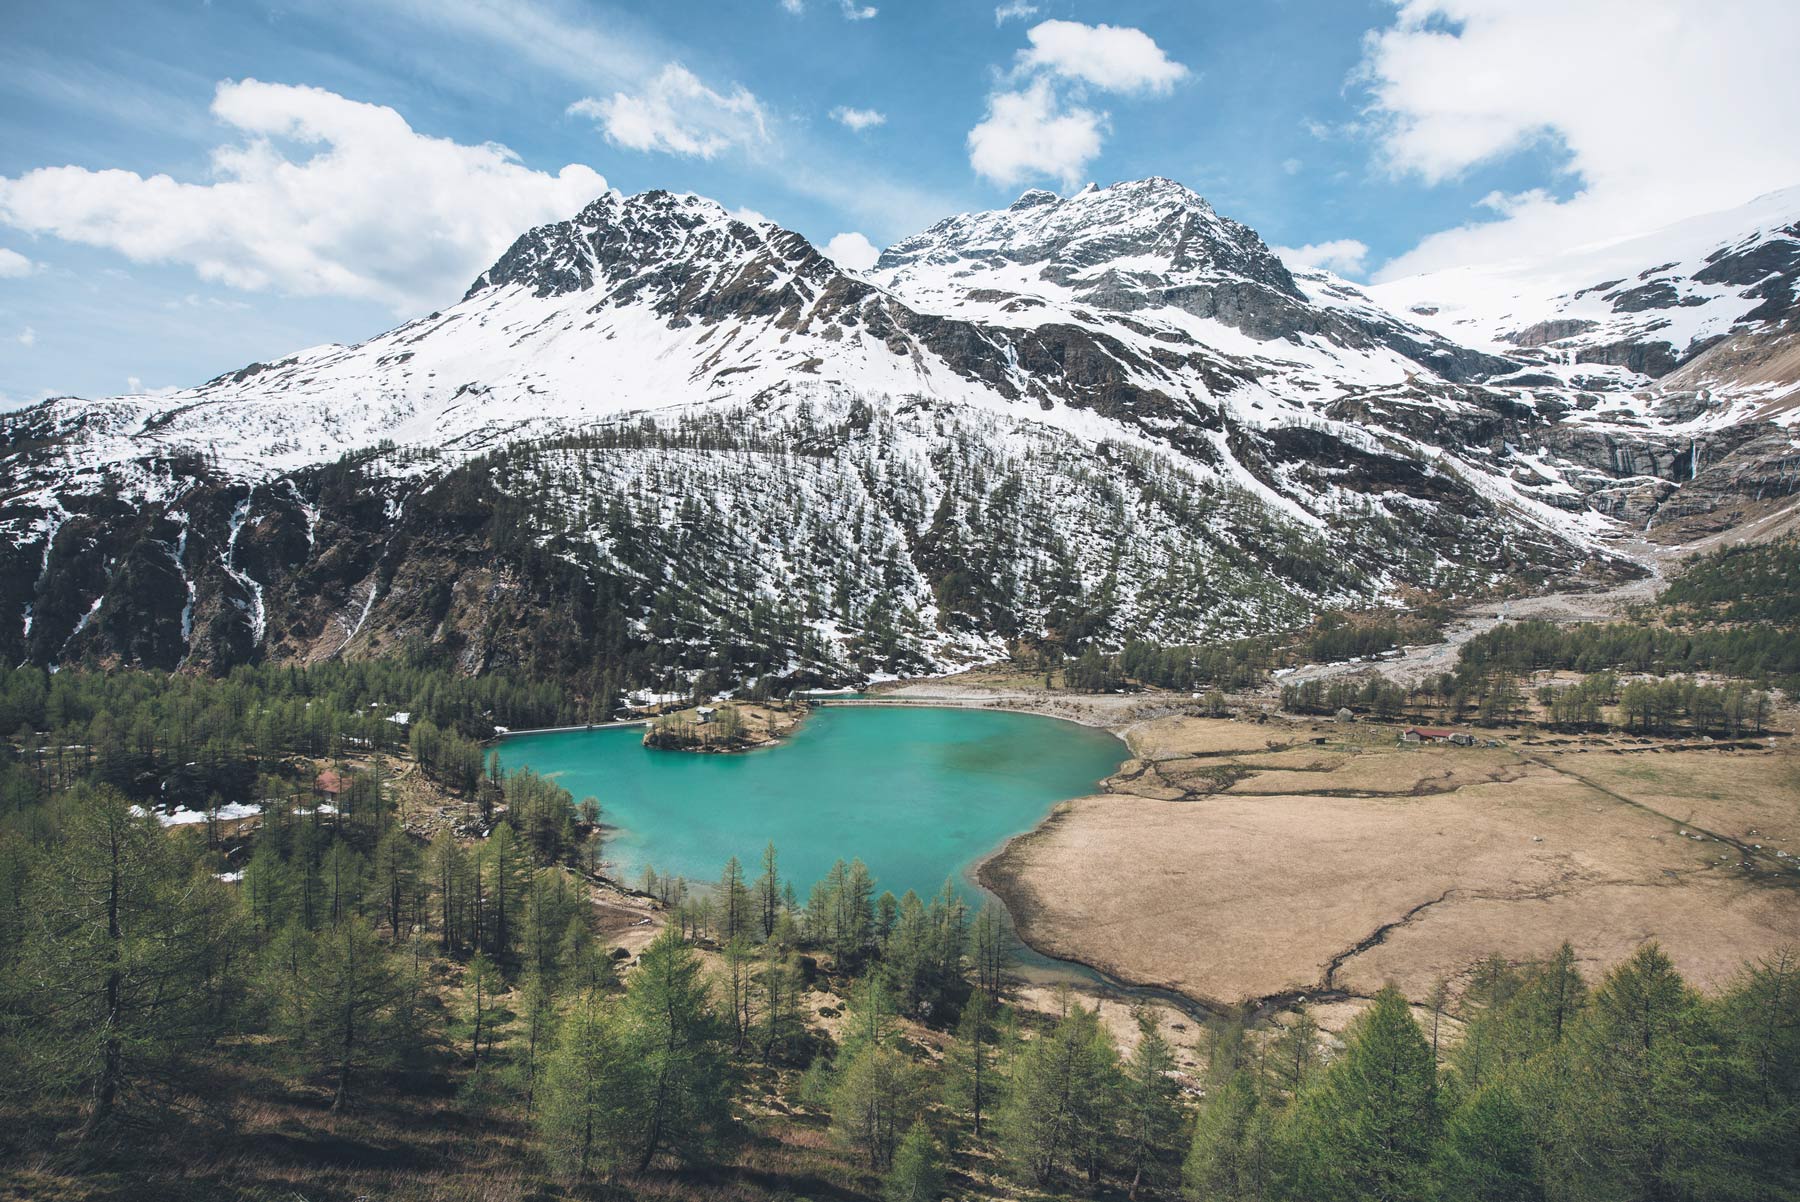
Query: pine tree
[481,989]
[737,985]
[503,894]
[1227,1160]
[1060,1099]
[538,1014]
[396,872]
[990,944]
[779,985]
[449,870]
[1644,1119]
[874,1098]
[1293,1054]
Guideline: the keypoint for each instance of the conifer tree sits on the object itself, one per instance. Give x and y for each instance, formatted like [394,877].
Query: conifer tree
[1150,1107]
[969,1080]
[1368,1130]
[481,989]
[733,904]
[1228,1158]
[768,890]
[1645,1119]
[673,1033]
[115,981]
[339,1018]
[1487,1154]
[593,1087]
[1061,1092]
[918,1171]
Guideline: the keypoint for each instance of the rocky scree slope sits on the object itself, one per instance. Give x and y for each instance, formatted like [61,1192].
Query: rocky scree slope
[654,442]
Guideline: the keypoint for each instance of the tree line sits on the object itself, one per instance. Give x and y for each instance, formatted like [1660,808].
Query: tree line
[133,976]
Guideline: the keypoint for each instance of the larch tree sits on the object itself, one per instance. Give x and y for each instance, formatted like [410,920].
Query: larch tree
[1150,1108]
[341,1018]
[673,1033]
[119,957]
[1368,1130]
[592,1089]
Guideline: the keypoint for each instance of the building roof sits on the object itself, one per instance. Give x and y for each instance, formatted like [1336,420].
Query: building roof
[1427,732]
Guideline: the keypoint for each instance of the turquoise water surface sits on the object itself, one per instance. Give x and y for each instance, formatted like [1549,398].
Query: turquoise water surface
[920,794]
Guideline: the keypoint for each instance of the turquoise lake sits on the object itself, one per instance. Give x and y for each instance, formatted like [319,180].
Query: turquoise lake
[919,794]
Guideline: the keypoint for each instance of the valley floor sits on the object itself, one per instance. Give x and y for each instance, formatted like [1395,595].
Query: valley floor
[1267,859]
[1237,861]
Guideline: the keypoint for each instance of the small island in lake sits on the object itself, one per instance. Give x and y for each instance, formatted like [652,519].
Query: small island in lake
[726,727]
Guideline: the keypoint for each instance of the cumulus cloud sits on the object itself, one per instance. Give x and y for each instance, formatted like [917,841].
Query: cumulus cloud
[27,337]
[1343,256]
[1291,166]
[858,119]
[1014,10]
[320,196]
[1044,128]
[1111,57]
[852,250]
[13,265]
[677,113]
[1034,133]
[1661,111]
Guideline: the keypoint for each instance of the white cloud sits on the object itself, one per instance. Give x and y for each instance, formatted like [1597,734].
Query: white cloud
[27,337]
[135,387]
[1032,134]
[852,11]
[749,217]
[1044,130]
[858,119]
[852,250]
[352,202]
[1291,166]
[13,265]
[1344,256]
[678,114]
[1014,10]
[1111,57]
[1663,110]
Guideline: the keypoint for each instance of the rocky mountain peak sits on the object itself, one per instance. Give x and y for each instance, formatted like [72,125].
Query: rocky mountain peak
[617,240]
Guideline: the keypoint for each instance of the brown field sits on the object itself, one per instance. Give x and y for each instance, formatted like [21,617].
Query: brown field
[1229,870]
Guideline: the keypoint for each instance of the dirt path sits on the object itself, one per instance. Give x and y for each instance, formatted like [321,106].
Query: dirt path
[1415,664]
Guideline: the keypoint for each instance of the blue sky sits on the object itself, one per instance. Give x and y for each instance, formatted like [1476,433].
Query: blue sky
[297,211]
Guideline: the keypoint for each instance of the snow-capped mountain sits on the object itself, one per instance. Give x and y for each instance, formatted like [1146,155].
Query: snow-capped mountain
[656,440]
[1647,304]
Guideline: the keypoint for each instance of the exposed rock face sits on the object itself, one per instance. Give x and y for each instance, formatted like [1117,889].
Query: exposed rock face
[656,441]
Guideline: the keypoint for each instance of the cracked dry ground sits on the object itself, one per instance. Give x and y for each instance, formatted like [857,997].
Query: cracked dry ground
[1232,862]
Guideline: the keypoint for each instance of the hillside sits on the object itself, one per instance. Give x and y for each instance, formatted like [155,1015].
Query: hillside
[655,441]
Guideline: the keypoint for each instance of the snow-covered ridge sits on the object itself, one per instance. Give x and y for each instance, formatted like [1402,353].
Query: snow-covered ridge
[1681,287]
[990,371]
